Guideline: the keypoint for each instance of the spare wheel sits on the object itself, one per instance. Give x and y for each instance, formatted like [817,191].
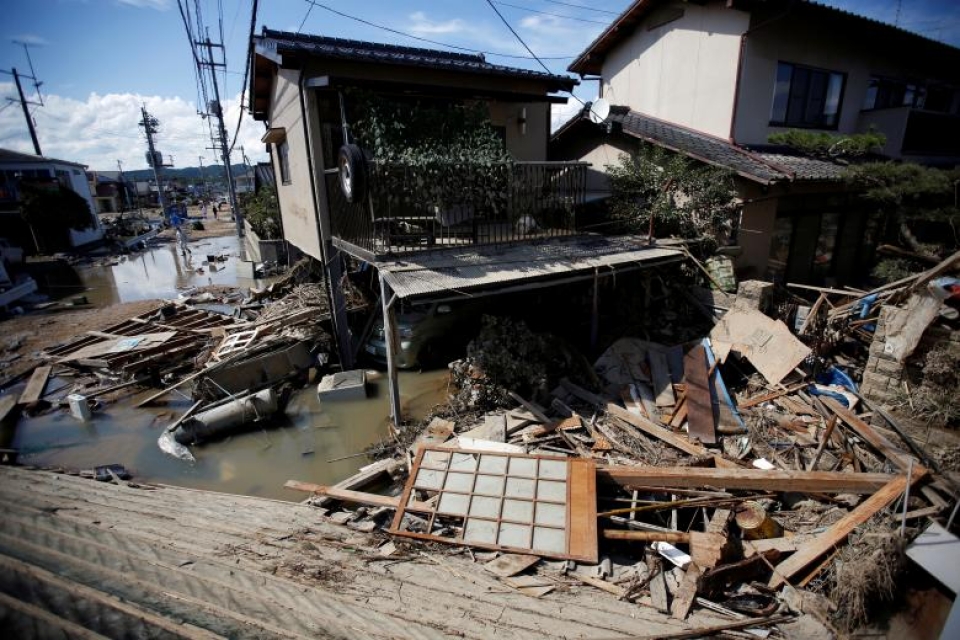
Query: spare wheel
[352,169]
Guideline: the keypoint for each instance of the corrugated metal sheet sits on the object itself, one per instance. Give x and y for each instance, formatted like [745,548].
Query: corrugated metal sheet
[515,264]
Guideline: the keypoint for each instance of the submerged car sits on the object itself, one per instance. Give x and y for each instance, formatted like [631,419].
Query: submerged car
[430,333]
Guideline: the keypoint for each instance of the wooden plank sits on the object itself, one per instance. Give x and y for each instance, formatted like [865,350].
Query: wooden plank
[871,435]
[582,510]
[681,414]
[673,537]
[700,416]
[648,427]
[831,425]
[745,479]
[659,596]
[703,632]
[36,385]
[683,600]
[837,534]
[359,497]
[766,397]
[534,410]
[662,383]
[812,316]
[647,399]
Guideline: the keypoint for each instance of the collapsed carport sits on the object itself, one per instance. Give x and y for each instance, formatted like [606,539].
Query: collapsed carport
[498,269]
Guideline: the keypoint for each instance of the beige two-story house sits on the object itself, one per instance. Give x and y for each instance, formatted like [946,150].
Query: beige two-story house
[713,79]
[498,216]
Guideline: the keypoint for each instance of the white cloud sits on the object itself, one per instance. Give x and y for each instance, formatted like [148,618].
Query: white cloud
[159,5]
[102,129]
[31,39]
[422,26]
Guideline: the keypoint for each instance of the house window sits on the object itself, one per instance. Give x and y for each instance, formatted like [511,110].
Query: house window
[807,97]
[283,156]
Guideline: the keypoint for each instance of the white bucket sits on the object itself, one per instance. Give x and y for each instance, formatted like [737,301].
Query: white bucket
[79,407]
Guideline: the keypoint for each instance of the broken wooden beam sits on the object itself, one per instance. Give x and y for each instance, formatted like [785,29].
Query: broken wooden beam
[648,427]
[837,534]
[772,395]
[673,537]
[895,455]
[359,497]
[701,632]
[745,479]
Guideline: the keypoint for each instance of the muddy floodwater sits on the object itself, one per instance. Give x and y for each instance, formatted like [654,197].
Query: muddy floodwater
[161,271]
[297,445]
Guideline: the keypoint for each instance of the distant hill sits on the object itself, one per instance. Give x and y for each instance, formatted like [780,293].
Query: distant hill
[212,172]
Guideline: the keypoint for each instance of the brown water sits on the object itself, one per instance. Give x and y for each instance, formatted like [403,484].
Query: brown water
[160,272]
[297,445]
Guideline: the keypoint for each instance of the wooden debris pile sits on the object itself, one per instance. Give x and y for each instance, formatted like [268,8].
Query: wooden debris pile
[730,473]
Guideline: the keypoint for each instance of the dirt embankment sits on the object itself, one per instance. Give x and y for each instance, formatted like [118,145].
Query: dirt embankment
[24,337]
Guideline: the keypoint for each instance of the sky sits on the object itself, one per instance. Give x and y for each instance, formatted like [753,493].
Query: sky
[100,60]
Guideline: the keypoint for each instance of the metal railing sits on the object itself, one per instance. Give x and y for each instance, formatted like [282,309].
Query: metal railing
[418,208]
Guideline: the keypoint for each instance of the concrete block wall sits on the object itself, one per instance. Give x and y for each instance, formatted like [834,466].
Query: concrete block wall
[883,376]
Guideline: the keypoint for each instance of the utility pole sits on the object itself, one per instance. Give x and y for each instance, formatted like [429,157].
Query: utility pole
[203,181]
[26,113]
[24,103]
[151,126]
[222,131]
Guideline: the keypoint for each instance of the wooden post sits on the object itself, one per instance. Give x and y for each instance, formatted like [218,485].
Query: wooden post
[392,342]
[595,316]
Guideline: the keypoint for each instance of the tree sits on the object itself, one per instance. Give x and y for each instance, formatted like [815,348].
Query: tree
[262,211]
[684,198]
[51,211]
[827,145]
[916,206]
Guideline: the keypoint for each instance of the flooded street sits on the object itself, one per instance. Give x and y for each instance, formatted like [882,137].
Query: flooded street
[160,271]
[296,445]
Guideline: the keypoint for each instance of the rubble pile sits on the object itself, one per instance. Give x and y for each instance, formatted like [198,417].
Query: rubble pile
[746,472]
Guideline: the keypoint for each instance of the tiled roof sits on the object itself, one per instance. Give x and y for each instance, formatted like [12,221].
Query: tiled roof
[803,167]
[697,145]
[339,48]
[8,155]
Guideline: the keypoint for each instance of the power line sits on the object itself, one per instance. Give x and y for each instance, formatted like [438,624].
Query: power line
[246,68]
[436,42]
[304,21]
[517,36]
[580,6]
[554,15]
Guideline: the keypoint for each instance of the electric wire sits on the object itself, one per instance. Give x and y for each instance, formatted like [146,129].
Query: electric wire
[246,69]
[427,40]
[517,36]
[554,15]
[585,8]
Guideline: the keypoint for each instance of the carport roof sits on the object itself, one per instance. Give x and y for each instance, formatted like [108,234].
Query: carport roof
[530,264]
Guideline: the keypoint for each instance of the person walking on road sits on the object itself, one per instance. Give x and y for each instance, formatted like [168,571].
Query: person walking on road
[182,240]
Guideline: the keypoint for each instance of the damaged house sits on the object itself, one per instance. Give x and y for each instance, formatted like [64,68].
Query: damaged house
[360,136]
[712,80]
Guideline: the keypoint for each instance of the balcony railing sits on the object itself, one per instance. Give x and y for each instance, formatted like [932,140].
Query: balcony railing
[417,208]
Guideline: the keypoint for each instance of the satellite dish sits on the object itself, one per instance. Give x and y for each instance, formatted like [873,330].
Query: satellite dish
[599,111]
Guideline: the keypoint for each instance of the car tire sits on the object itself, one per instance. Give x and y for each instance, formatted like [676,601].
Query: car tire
[352,170]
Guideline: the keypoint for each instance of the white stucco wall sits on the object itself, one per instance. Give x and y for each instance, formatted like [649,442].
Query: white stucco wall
[683,71]
[824,45]
[296,197]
